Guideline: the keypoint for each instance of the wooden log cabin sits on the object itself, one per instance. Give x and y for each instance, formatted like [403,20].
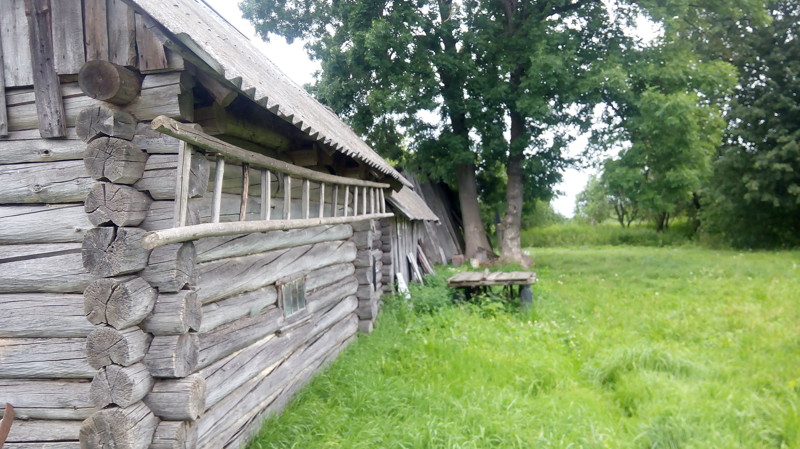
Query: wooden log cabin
[185,235]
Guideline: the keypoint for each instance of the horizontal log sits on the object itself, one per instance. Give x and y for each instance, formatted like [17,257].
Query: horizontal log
[159,96]
[338,311]
[212,248]
[230,309]
[119,302]
[47,399]
[174,435]
[44,358]
[53,182]
[43,223]
[230,337]
[160,176]
[172,356]
[48,268]
[366,326]
[43,315]
[326,276]
[106,346]
[324,298]
[120,385]
[367,309]
[121,428]
[367,225]
[171,267]
[174,313]
[100,120]
[154,142]
[364,257]
[106,81]
[116,204]
[45,445]
[114,160]
[26,146]
[42,433]
[223,278]
[161,215]
[113,251]
[178,399]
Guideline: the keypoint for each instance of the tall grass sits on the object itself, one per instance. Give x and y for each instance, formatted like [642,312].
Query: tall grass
[582,234]
[624,348]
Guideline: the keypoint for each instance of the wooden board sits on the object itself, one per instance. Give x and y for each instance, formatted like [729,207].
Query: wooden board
[68,46]
[49,107]
[96,29]
[121,34]
[478,279]
[14,38]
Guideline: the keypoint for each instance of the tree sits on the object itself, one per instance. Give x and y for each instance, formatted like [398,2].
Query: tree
[501,74]
[593,203]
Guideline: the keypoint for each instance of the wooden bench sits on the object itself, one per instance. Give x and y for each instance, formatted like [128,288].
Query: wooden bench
[470,280]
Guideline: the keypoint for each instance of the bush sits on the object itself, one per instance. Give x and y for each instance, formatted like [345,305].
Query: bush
[577,234]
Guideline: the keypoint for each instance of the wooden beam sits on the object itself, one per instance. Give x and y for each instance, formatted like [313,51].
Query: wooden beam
[47,87]
[95,27]
[245,191]
[217,120]
[287,197]
[151,51]
[3,112]
[219,177]
[112,83]
[266,194]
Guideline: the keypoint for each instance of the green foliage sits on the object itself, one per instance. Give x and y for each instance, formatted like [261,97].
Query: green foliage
[625,348]
[579,234]
[593,204]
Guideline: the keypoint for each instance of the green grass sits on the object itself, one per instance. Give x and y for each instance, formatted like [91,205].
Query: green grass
[625,348]
[608,233]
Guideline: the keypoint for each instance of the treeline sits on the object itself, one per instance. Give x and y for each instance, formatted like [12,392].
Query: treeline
[708,120]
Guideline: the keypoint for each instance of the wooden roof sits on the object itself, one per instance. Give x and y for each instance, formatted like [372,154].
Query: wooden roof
[407,202]
[223,48]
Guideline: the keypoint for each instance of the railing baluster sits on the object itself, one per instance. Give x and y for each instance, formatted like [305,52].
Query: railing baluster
[321,199]
[335,201]
[305,198]
[185,153]
[245,191]
[216,202]
[364,201]
[346,199]
[355,201]
[287,197]
[266,194]
[383,202]
[372,201]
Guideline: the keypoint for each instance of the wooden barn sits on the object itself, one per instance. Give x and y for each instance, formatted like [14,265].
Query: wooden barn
[185,235]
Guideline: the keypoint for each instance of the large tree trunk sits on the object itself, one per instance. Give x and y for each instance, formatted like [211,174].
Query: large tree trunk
[475,239]
[511,244]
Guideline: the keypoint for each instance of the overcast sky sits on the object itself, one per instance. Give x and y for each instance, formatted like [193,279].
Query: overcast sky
[292,60]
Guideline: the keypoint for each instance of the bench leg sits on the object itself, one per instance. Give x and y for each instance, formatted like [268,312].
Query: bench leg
[526,296]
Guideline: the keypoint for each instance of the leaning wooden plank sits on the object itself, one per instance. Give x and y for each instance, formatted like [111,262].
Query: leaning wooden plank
[121,428]
[43,223]
[231,309]
[106,346]
[48,399]
[160,176]
[213,248]
[45,358]
[116,204]
[216,279]
[16,51]
[178,399]
[231,337]
[47,268]
[68,36]
[114,160]
[49,106]
[111,251]
[172,356]
[174,313]
[56,182]
[151,51]
[171,267]
[120,302]
[120,385]
[43,315]
[96,29]
[38,431]
[121,34]
[174,435]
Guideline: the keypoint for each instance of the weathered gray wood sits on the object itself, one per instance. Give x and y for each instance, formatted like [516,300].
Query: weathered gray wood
[154,142]
[230,309]
[323,320]
[112,251]
[116,204]
[99,120]
[46,445]
[48,268]
[56,182]
[16,51]
[185,155]
[324,298]
[220,279]
[212,248]
[174,313]
[178,399]
[175,435]
[28,146]
[120,385]
[106,346]
[43,315]
[121,34]
[96,29]
[42,433]
[217,120]
[119,302]
[120,428]
[287,195]
[3,112]
[47,399]
[109,82]
[49,107]
[43,223]
[172,355]
[170,267]
[45,358]
[160,176]
[266,194]
[114,160]
[245,191]
[328,275]
[223,95]
[366,326]
[161,215]
[151,51]
[367,309]
[224,340]
[68,36]
[219,177]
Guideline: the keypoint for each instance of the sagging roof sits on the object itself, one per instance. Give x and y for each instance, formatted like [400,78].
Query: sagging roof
[408,203]
[234,57]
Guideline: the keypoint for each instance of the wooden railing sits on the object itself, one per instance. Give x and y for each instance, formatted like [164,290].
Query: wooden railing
[368,200]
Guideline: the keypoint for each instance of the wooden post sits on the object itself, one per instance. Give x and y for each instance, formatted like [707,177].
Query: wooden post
[47,87]
[321,200]
[526,296]
[266,194]
[245,191]
[3,110]
[355,200]
[383,202]
[216,204]
[364,200]
[287,197]
[335,201]
[109,82]
[346,199]
[182,187]
[305,198]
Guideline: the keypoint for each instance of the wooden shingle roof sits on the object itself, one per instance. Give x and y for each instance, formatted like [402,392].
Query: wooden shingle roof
[408,203]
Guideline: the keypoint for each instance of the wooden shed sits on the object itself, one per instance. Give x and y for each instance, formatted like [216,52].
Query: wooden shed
[185,235]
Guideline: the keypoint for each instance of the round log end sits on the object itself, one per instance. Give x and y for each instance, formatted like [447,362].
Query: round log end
[105,81]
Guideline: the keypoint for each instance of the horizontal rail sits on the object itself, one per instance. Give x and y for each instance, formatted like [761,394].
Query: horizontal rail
[211,144]
[154,239]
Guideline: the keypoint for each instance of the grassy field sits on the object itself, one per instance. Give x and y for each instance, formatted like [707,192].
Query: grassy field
[625,348]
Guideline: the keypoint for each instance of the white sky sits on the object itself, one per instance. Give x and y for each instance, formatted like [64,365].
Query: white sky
[292,60]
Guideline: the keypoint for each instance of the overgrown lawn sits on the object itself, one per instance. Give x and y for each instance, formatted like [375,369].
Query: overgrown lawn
[625,348]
